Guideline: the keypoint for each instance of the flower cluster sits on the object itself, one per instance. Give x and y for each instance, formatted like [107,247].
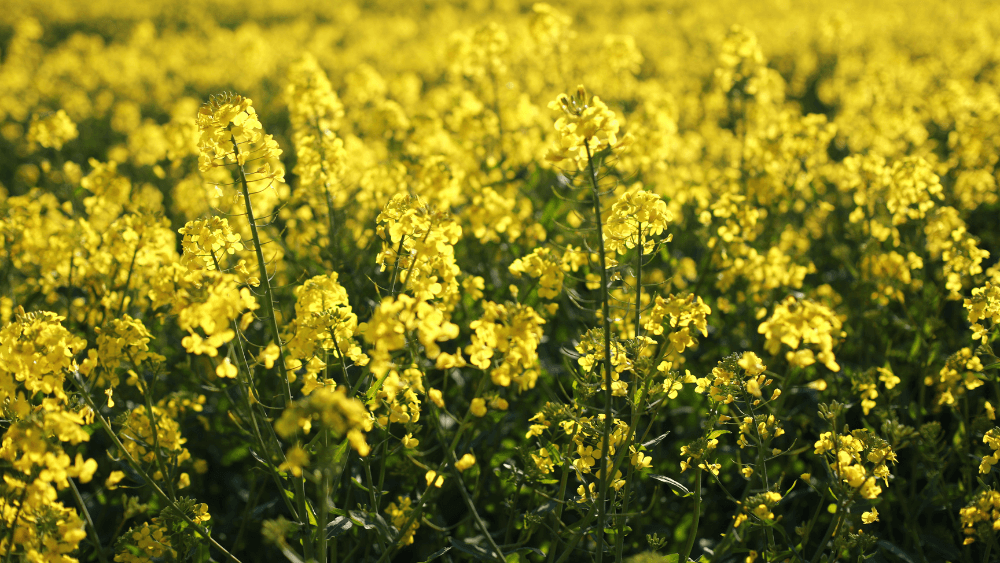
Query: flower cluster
[585,127]
[984,305]
[324,330]
[329,410]
[206,303]
[795,322]
[858,459]
[544,265]
[207,241]
[53,130]
[506,339]
[635,219]
[230,132]
[981,517]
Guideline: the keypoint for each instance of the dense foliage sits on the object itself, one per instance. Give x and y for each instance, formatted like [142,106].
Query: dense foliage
[337,281]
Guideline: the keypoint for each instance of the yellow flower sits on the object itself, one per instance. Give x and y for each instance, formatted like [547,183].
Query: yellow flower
[295,459]
[436,397]
[634,220]
[466,461]
[587,125]
[869,517]
[226,369]
[399,513]
[752,364]
[113,479]
[434,479]
[52,130]
[478,407]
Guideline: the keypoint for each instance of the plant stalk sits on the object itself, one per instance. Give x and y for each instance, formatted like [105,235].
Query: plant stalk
[605,480]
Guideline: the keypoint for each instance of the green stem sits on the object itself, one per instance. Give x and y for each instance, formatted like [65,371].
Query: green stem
[693,532]
[638,287]
[94,538]
[324,515]
[371,497]
[128,279]
[265,283]
[468,501]
[513,510]
[138,469]
[156,442]
[559,508]
[762,461]
[69,288]
[395,265]
[418,509]
[252,500]
[13,526]
[834,522]
[605,479]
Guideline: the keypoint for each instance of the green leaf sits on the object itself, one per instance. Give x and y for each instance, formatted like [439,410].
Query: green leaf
[374,388]
[673,484]
[312,517]
[338,526]
[236,454]
[437,554]
[895,550]
[338,453]
[475,551]
[716,433]
[359,485]
[361,519]
[655,441]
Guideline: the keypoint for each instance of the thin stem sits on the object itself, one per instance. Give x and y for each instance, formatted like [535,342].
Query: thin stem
[138,469]
[128,279]
[395,265]
[69,287]
[324,515]
[252,499]
[156,442]
[418,509]
[826,535]
[762,461]
[604,481]
[693,532]
[371,497]
[92,531]
[559,508]
[638,286]
[13,526]
[468,501]
[638,404]
[513,510]
[989,548]
[265,282]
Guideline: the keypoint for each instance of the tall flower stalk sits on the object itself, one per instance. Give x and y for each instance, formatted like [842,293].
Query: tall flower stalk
[586,127]
[231,134]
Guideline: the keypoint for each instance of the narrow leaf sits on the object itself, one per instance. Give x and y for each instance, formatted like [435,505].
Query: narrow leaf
[338,526]
[437,554]
[896,550]
[655,441]
[673,484]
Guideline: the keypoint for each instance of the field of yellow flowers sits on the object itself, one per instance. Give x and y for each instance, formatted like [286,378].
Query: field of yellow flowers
[372,281]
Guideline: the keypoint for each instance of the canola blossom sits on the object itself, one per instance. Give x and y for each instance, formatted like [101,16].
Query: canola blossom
[506,281]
